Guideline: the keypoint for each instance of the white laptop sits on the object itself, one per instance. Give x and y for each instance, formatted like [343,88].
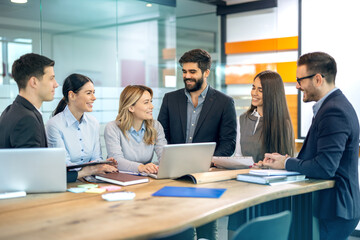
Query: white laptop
[180,159]
[33,170]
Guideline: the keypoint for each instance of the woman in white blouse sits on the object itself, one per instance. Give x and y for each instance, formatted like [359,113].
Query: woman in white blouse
[76,131]
[134,136]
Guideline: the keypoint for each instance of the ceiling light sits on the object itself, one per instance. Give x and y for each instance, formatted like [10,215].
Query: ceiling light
[19,1]
[149,5]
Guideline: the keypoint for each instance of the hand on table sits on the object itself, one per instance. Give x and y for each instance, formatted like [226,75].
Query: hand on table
[274,160]
[148,168]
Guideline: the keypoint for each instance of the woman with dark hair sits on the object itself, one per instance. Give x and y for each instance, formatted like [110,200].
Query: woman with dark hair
[75,130]
[265,128]
[134,136]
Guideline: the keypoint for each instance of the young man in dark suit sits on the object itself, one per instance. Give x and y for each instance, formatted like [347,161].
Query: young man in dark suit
[330,149]
[199,113]
[21,123]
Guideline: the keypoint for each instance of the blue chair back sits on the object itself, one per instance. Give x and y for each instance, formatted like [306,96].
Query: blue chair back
[276,226]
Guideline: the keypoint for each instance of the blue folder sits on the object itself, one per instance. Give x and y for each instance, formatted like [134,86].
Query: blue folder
[190,192]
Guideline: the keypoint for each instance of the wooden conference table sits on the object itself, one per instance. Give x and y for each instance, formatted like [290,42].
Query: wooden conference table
[87,216]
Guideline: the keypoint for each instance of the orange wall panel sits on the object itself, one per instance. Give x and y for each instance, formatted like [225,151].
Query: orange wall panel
[287,71]
[262,45]
[291,100]
[245,73]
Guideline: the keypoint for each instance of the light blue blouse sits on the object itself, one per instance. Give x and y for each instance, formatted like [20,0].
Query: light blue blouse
[80,139]
[138,135]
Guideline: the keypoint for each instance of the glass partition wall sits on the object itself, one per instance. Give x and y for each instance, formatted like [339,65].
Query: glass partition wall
[114,42]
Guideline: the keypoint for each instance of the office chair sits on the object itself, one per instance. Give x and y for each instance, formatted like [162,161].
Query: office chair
[276,226]
[184,234]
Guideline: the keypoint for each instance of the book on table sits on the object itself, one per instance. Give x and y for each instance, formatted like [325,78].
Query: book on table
[122,179]
[270,179]
[213,175]
[170,191]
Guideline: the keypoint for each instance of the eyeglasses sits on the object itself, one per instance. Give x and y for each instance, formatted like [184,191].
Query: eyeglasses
[310,76]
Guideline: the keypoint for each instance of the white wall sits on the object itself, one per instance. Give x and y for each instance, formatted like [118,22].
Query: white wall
[332,27]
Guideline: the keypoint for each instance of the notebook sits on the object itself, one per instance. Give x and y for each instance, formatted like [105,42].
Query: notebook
[122,179]
[169,191]
[181,159]
[33,170]
[270,179]
[273,172]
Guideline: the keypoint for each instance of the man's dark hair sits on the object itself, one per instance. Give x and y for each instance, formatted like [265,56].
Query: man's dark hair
[199,56]
[29,65]
[319,62]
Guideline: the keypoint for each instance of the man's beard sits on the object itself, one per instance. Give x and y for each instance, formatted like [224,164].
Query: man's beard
[198,84]
[311,94]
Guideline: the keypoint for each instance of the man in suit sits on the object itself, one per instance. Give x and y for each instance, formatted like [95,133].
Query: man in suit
[21,123]
[330,149]
[199,113]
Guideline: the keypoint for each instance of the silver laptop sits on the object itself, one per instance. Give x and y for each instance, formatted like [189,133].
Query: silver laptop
[32,170]
[180,159]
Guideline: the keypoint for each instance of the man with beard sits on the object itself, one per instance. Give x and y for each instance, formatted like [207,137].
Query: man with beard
[199,113]
[331,147]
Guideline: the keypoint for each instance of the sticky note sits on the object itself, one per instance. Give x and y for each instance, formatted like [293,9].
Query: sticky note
[111,188]
[95,190]
[77,190]
[87,186]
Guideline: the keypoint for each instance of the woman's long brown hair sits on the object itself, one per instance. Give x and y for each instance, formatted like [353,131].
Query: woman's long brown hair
[278,133]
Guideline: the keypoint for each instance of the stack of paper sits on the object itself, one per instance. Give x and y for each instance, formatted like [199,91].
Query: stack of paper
[233,162]
[271,177]
[272,172]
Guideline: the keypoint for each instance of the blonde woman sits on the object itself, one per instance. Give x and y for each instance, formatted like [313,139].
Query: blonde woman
[134,135]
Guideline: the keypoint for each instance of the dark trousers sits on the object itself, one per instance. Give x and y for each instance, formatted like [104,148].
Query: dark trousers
[336,229]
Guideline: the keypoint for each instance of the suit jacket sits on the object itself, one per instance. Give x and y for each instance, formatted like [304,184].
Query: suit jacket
[331,151]
[22,126]
[217,120]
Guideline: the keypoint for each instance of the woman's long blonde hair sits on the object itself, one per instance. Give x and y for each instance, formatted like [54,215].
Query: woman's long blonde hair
[129,97]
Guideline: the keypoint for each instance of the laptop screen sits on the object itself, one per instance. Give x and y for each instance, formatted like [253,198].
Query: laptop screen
[180,159]
[32,170]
